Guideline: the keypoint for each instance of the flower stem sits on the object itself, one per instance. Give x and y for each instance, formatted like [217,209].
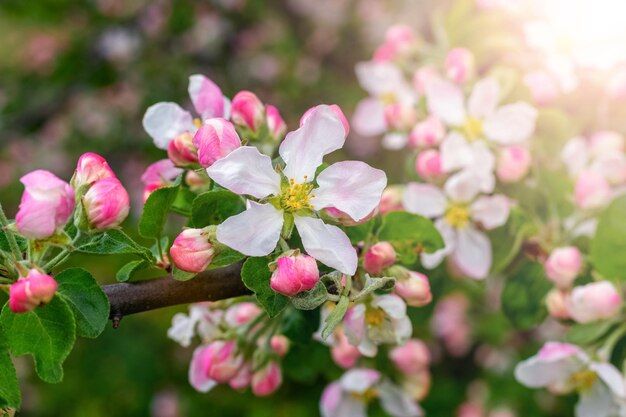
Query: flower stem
[4,222]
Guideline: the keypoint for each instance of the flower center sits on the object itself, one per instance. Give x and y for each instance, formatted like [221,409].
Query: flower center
[457,216]
[584,380]
[388,97]
[473,128]
[297,196]
[374,317]
[366,397]
[197,122]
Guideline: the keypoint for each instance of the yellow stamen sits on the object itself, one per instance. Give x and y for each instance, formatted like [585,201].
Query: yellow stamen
[473,128]
[374,316]
[197,122]
[388,98]
[457,216]
[297,197]
[584,380]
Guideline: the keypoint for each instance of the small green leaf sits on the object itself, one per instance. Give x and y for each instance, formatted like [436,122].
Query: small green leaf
[180,275]
[523,296]
[213,207]
[126,272]
[114,242]
[9,388]
[256,277]
[608,246]
[225,256]
[335,317]
[372,284]
[182,203]
[86,299]
[6,247]
[156,209]
[585,334]
[360,232]
[47,333]
[312,299]
[409,234]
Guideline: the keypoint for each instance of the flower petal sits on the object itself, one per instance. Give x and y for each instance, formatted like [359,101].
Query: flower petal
[392,305]
[448,233]
[246,171]
[611,377]
[206,97]
[445,100]
[596,402]
[462,187]
[456,152]
[484,99]
[396,402]
[303,149]
[425,199]
[328,244]
[511,124]
[197,372]
[353,187]
[164,121]
[472,253]
[378,78]
[254,232]
[369,117]
[491,211]
[359,380]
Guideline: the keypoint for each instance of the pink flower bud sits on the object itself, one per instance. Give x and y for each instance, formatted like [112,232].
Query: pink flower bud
[542,86]
[592,190]
[216,139]
[391,200]
[149,189]
[106,204]
[158,175]
[428,164]
[563,266]
[46,206]
[280,344]
[343,218]
[267,380]
[181,150]
[247,111]
[275,123]
[427,133]
[222,361]
[399,116]
[410,358]
[378,257]
[343,353]
[294,274]
[335,109]
[32,291]
[595,301]
[195,181]
[192,250]
[243,377]
[513,164]
[242,313]
[556,303]
[90,168]
[414,289]
[424,76]
[459,65]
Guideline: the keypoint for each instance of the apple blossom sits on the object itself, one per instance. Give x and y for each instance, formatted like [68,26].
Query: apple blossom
[424,76]
[513,163]
[542,86]
[241,314]
[556,303]
[563,265]
[267,380]
[181,150]
[192,250]
[201,320]
[428,164]
[294,274]
[247,111]
[344,219]
[414,289]
[46,206]
[379,256]
[428,132]
[275,123]
[31,291]
[106,204]
[592,190]
[338,112]
[90,168]
[279,344]
[410,358]
[343,353]
[392,199]
[215,363]
[157,175]
[214,140]
[459,65]
[595,301]
[243,377]
[352,187]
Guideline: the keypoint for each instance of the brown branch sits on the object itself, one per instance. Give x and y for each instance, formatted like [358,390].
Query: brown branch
[140,296]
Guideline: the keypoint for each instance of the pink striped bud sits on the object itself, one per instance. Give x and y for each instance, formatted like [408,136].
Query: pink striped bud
[556,303]
[243,377]
[378,257]
[542,86]
[247,111]
[46,206]
[275,123]
[90,168]
[221,360]
[592,190]
[428,164]
[32,291]
[216,139]
[595,301]
[335,109]
[399,116]
[294,274]
[460,65]
[427,133]
[563,266]
[410,358]
[267,380]
[181,150]
[513,164]
[192,250]
[343,353]
[106,204]
[279,344]
[414,289]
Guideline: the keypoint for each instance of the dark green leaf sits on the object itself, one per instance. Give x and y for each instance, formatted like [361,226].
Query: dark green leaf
[181,275]
[299,326]
[114,242]
[256,276]
[47,333]
[608,246]
[523,296]
[126,272]
[584,334]
[9,387]
[312,299]
[213,207]
[409,234]
[182,203]
[156,209]
[360,232]
[226,256]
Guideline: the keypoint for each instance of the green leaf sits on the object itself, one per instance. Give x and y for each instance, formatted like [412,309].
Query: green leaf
[360,232]
[225,256]
[523,296]
[86,299]
[156,209]
[608,246]
[335,317]
[126,272]
[47,333]
[114,242]
[9,388]
[181,275]
[585,334]
[213,207]
[299,326]
[256,277]
[4,242]
[312,299]
[409,234]
[182,203]
[373,283]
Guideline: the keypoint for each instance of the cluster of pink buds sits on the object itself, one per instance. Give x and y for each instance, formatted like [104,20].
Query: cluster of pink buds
[31,291]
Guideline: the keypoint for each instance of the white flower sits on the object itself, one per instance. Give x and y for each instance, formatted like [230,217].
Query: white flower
[350,186]
[200,320]
[457,211]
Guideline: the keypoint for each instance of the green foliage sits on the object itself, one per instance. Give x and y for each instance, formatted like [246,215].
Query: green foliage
[312,299]
[409,234]
[86,299]
[213,207]
[225,256]
[608,247]
[299,326]
[360,232]
[585,334]
[126,272]
[47,333]
[256,276]
[181,275]
[523,296]
[10,395]
[114,242]
[335,317]
[156,210]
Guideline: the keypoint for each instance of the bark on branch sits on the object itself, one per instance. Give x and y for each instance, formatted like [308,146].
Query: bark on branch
[140,296]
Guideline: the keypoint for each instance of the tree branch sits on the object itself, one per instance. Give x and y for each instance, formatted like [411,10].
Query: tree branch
[140,296]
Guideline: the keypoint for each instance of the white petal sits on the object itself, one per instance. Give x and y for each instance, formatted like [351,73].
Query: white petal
[456,152]
[491,211]
[462,187]
[369,117]
[425,199]
[575,155]
[536,373]
[254,232]
[472,253]
[445,100]
[164,121]
[378,78]
[484,99]
[303,149]
[597,402]
[511,124]
[395,141]
[246,171]
[613,379]
[448,233]
[396,402]
[359,380]
[350,186]
[328,244]
[392,305]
